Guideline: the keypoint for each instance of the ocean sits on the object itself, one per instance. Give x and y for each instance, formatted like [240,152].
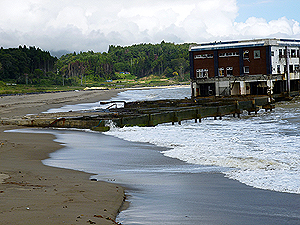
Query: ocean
[261,150]
[231,171]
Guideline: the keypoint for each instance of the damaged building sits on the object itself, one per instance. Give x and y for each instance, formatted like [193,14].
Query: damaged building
[252,67]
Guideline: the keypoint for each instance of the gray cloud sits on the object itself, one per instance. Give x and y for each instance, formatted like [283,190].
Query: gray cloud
[76,25]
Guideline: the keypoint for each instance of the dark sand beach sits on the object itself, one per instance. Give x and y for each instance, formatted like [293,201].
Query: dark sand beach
[32,193]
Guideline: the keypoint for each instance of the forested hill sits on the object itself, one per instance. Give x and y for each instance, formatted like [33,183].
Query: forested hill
[164,59]
[160,59]
[141,60]
[19,64]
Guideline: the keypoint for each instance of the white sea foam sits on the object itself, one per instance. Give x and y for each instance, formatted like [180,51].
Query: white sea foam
[262,151]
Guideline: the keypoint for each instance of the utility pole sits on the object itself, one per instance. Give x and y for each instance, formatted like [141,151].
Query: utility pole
[288,70]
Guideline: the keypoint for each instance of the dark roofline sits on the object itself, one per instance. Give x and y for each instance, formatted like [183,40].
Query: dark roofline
[243,43]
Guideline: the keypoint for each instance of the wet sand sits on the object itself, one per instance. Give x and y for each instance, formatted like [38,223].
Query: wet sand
[32,193]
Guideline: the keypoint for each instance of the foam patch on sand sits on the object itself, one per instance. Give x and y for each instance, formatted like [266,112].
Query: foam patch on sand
[3,177]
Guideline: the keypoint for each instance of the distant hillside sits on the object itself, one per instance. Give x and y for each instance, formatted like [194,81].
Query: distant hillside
[34,66]
[164,59]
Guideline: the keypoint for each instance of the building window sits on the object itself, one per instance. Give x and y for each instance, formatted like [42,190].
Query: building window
[202,73]
[272,53]
[293,53]
[257,54]
[280,53]
[221,72]
[246,69]
[296,68]
[246,54]
[204,56]
[229,54]
[278,69]
[229,71]
[199,73]
[205,75]
[291,69]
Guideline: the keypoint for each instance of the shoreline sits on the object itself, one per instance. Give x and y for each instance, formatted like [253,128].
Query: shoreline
[35,192]
[32,192]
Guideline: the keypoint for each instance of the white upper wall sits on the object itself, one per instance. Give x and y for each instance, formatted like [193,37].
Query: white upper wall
[278,59]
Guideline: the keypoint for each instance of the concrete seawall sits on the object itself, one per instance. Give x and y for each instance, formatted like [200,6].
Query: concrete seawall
[146,113]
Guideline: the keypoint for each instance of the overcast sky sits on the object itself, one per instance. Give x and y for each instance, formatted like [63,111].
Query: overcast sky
[82,25]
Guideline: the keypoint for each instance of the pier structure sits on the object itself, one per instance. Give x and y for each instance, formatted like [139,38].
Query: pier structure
[146,113]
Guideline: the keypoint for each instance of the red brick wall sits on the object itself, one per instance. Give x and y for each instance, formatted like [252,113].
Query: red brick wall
[204,63]
[256,66]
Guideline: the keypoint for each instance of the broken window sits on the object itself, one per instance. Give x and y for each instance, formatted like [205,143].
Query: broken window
[204,56]
[229,71]
[202,73]
[221,72]
[205,73]
[229,54]
[280,53]
[198,73]
[246,54]
[278,69]
[256,54]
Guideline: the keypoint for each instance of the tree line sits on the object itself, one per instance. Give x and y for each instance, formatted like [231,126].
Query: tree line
[26,64]
[33,66]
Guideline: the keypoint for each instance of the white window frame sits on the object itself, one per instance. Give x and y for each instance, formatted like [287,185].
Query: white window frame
[256,54]
[281,54]
[291,68]
[293,53]
[296,68]
[278,69]
[202,73]
[198,73]
[205,73]
[246,52]
[221,72]
[229,69]
[228,54]
[246,69]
